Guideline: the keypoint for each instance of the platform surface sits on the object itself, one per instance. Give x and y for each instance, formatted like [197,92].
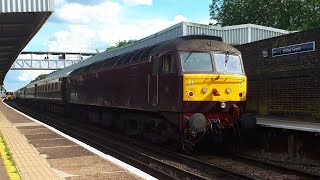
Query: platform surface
[3,172]
[300,125]
[40,153]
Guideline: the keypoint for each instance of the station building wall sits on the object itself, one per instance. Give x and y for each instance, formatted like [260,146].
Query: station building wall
[286,85]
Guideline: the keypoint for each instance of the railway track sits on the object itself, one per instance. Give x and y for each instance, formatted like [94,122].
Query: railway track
[157,162]
[274,165]
[195,161]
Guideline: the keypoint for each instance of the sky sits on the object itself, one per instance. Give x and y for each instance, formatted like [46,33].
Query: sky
[87,25]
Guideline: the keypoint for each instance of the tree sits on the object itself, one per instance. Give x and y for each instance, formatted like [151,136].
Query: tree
[121,43]
[41,76]
[283,14]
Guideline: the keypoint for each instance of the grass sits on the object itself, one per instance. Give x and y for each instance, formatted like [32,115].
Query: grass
[8,160]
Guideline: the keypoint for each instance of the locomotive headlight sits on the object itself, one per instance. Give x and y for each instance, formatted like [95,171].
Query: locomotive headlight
[223,105]
[228,90]
[204,89]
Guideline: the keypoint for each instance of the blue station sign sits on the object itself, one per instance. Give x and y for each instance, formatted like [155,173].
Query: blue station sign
[294,49]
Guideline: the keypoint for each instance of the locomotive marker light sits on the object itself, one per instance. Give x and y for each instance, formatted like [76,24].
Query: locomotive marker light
[228,90]
[198,123]
[191,82]
[205,90]
[190,94]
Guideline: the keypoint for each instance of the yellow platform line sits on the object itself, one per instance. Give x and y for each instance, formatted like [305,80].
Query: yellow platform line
[8,160]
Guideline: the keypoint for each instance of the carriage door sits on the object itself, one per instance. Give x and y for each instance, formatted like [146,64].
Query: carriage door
[168,82]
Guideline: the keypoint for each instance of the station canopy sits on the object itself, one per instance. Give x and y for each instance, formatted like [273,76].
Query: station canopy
[20,20]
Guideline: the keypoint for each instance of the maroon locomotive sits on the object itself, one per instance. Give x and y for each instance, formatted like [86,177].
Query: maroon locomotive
[183,89]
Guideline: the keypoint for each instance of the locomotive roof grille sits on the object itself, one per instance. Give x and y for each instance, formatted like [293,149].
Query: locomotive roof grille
[216,38]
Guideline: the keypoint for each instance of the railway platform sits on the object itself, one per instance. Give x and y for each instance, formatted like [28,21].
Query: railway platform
[290,124]
[40,152]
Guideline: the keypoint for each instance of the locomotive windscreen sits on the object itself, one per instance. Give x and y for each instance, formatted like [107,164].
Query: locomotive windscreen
[223,63]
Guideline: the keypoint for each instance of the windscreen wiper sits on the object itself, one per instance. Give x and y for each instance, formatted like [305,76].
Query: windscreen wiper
[188,57]
[226,59]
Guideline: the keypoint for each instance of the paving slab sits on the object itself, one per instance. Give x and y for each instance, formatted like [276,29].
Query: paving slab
[58,152]
[43,136]
[51,143]
[35,131]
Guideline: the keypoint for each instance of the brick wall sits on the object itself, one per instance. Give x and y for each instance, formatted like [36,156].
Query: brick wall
[284,85]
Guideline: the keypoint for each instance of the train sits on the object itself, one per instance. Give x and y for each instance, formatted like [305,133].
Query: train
[9,95]
[185,90]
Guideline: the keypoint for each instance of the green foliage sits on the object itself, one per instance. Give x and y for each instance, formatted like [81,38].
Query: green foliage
[41,76]
[283,14]
[121,43]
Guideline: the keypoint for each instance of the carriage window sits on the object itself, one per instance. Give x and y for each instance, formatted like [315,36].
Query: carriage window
[59,86]
[168,64]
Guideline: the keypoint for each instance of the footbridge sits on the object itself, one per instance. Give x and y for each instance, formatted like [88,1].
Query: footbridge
[48,60]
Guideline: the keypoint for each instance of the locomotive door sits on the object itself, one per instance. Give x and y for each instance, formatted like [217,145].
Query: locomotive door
[153,82]
[168,82]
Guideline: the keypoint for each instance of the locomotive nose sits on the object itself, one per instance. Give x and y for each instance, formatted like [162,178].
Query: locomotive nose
[198,122]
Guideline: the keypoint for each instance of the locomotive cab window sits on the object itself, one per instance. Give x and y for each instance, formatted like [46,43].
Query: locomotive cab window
[168,64]
[228,63]
[196,61]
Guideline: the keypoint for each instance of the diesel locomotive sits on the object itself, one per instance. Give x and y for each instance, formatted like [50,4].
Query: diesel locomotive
[185,90]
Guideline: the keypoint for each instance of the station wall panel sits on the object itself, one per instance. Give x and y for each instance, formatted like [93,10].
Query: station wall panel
[287,85]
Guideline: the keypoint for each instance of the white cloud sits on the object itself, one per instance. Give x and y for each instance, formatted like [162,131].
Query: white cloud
[58,2]
[85,14]
[31,75]
[180,18]
[77,38]
[137,2]
[207,21]
[99,26]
